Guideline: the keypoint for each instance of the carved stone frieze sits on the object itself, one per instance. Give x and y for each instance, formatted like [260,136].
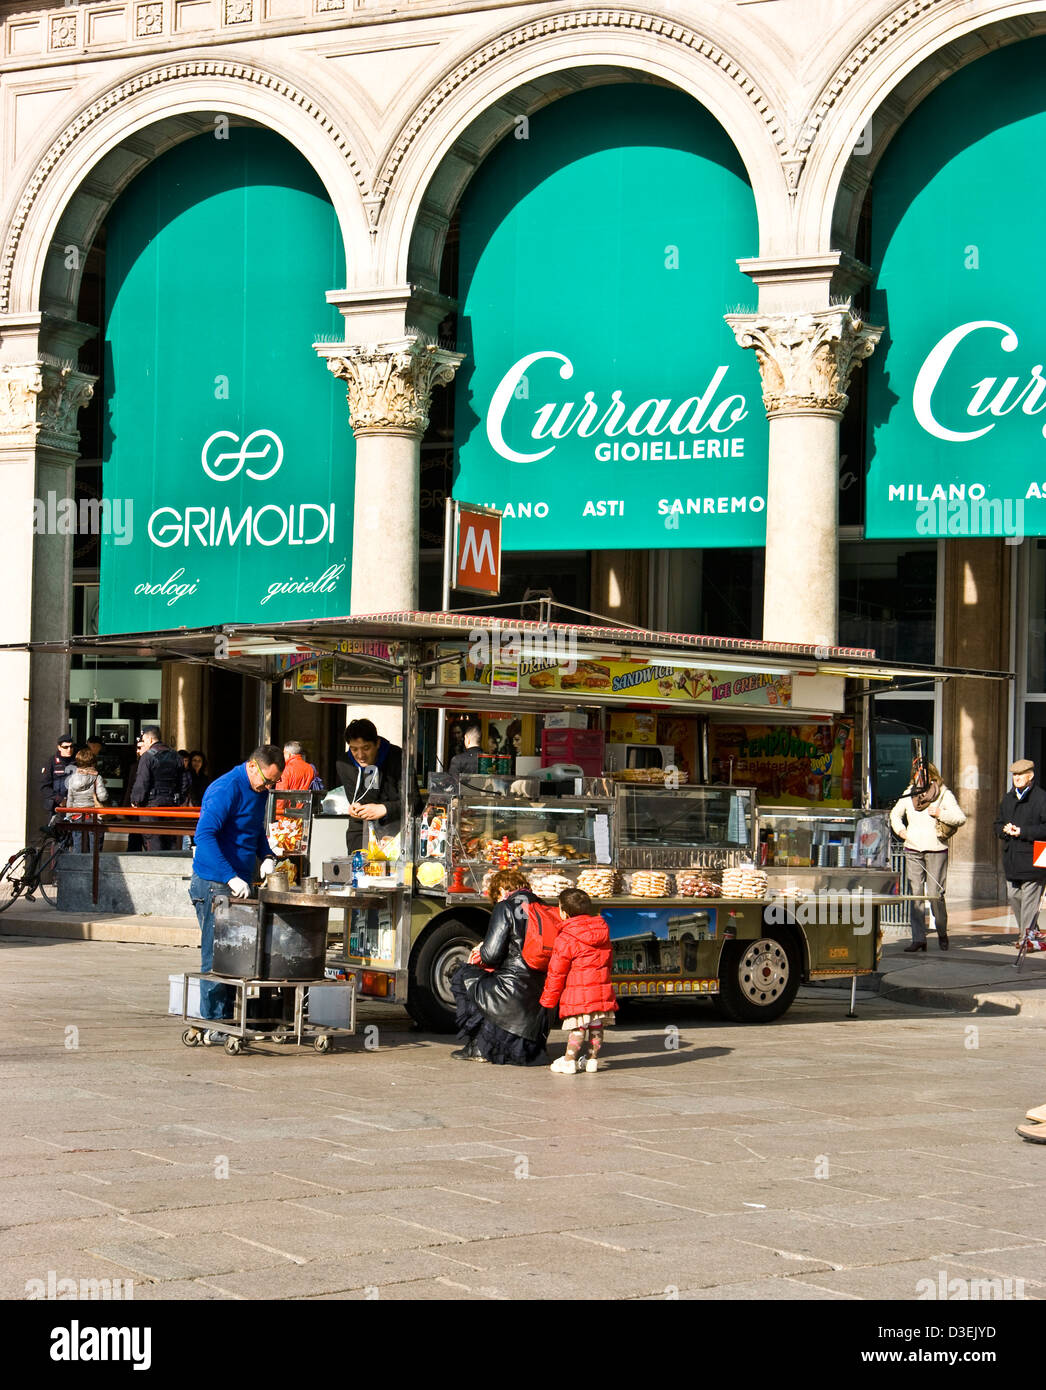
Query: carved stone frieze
[389,385]
[174,72]
[806,360]
[63,31]
[578,22]
[148,19]
[39,403]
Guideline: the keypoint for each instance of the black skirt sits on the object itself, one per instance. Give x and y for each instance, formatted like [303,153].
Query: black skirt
[491,1042]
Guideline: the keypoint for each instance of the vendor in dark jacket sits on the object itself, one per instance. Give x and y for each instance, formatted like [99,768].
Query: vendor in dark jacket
[373,782]
[162,780]
[55,776]
[1020,822]
[498,995]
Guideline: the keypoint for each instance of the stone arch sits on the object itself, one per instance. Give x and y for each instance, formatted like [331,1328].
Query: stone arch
[431,159]
[867,100]
[115,134]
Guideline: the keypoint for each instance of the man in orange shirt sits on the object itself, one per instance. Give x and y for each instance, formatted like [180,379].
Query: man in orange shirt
[298,775]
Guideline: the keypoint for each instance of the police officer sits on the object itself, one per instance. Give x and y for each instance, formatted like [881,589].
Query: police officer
[55,776]
[162,780]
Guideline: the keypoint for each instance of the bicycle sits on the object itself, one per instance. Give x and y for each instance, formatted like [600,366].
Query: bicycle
[32,868]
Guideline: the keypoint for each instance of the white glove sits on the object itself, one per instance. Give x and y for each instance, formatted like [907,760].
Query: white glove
[239,888]
[267,867]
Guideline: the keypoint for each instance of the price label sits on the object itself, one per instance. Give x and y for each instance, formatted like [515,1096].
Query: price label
[601,838]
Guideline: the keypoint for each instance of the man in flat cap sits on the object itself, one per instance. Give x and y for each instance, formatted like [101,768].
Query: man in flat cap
[1020,822]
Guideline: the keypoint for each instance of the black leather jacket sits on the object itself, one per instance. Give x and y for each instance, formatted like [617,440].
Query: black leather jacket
[510,997]
[161,780]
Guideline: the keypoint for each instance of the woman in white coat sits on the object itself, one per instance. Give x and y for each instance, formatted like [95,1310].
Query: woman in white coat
[925,818]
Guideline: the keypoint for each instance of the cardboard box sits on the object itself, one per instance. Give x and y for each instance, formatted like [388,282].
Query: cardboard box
[566,719]
[632,726]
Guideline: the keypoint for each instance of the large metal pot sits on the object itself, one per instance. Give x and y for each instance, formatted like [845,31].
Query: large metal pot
[265,941]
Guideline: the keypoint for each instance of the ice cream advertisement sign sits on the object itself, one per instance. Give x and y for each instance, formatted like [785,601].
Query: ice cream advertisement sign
[640,681]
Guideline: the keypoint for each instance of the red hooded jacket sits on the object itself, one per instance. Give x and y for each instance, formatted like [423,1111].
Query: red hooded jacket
[578,977]
[298,775]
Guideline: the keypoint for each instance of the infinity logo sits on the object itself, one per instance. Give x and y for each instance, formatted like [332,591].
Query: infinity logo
[213,467]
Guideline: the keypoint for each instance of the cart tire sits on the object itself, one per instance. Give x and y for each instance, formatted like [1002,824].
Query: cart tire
[439,953]
[322,1044]
[191,1037]
[233,1046]
[758,980]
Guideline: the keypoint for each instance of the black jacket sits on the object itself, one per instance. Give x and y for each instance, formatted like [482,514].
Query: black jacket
[162,780]
[511,996]
[387,791]
[54,778]
[1030,814]
[466,763]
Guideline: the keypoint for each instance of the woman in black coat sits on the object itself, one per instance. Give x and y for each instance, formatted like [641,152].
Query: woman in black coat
[499,1013]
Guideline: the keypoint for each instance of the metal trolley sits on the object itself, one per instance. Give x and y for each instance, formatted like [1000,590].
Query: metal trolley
[238,1031]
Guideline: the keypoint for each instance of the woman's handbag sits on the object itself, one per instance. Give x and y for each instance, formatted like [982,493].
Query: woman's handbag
[945,832]
[94,792]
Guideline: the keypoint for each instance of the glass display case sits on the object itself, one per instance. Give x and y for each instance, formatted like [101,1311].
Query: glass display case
[684,827]
[532,832]
[796,839]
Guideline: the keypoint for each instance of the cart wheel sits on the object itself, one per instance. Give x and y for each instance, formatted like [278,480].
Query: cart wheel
[233,1046]
[280,1037]
[191,1037]
[322,1043]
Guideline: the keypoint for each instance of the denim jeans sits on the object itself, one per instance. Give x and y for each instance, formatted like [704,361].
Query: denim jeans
[216,1001]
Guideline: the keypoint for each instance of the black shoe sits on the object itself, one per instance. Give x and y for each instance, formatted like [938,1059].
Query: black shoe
[915,946]
[942,940]
[464,1054]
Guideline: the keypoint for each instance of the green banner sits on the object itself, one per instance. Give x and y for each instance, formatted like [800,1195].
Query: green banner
[956,388]
[604,402]
[225,432]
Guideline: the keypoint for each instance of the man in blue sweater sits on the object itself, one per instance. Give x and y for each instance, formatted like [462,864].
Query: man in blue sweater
[230,837]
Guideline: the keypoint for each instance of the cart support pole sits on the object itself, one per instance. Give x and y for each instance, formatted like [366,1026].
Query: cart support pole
[853,997]
[409,796]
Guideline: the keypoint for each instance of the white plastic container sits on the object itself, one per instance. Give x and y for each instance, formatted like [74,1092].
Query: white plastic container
[175,1004]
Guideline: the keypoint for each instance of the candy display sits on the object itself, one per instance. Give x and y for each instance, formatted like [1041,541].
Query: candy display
[650,883]
[697,886]
[599,883]
[286,835]
[745,881]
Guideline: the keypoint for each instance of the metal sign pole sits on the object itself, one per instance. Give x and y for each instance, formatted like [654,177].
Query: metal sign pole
[449,530]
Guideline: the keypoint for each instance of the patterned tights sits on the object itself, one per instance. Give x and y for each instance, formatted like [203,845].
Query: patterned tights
[577,1038]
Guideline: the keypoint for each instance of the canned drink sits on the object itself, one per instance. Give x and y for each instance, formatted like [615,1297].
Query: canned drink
[504,764]
[486,763]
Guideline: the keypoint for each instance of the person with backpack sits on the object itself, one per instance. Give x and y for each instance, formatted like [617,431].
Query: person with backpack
[578,980]
[162,780]
[498,995]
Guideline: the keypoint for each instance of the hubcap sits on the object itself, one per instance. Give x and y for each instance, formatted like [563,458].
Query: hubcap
[763,973]
[455,955]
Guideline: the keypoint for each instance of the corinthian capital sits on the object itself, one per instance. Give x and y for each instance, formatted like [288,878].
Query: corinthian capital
[39,402]
[806,360]
[389,385]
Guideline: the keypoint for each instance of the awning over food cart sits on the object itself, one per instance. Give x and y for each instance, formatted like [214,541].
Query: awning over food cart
[614,662]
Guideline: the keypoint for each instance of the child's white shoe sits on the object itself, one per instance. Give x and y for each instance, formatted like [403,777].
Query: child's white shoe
[564,1064]
[593,1064]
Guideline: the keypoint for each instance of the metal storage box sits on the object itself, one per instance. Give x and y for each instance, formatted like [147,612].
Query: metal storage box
[265,941]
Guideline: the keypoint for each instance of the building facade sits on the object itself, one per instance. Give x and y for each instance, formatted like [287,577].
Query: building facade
[779,130]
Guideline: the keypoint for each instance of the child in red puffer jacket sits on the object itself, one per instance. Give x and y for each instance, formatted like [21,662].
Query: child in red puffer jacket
[578,981]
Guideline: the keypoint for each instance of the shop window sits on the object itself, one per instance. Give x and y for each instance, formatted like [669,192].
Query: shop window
[888,598]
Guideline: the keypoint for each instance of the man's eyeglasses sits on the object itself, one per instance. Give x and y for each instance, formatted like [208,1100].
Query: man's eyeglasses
[269,782]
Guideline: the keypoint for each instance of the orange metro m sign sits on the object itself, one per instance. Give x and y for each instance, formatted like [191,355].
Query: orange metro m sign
[477,550]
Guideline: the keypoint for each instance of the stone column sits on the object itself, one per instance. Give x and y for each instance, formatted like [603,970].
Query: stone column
[806,361]
[40,396]
[973,756]
[389,388]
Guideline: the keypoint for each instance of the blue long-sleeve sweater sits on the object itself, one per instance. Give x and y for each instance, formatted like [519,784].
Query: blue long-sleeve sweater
[230,834]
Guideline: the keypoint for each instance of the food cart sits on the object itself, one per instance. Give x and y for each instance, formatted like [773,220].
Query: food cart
[728,864]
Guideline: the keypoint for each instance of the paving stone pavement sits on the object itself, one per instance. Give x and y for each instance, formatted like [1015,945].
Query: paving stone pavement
[819,1158]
